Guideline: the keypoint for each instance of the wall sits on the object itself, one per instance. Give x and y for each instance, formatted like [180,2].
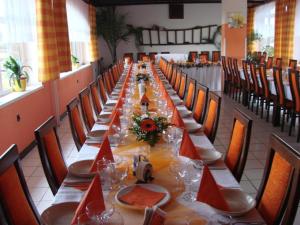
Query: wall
[37,107]
[147,15]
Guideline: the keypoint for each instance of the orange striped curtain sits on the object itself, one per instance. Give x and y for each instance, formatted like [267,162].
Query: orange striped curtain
[94,54]
[53,40]
[250,26]
[284,29]
[62,35]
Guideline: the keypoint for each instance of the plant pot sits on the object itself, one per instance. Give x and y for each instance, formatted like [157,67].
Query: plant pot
[16,86]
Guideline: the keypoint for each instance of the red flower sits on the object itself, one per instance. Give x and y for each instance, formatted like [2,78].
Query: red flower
[148,125]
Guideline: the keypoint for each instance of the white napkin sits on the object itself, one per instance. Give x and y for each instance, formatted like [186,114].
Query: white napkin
[67,194]
[99,127]
[201,141]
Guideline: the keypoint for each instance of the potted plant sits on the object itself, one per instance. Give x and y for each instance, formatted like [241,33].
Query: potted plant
[75,62]
[18,76]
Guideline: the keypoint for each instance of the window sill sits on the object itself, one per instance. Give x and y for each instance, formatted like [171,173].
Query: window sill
[15,96]
[70,73]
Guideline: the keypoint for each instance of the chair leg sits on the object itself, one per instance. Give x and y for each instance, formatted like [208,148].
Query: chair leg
[268,112]
[298,135]
[283,119]
[292,122]
[262,109]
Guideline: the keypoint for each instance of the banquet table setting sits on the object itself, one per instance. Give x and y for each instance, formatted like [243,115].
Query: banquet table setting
[132,174]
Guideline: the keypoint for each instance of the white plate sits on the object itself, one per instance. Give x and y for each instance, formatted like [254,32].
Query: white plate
[96,134]
[60,214]
[81,168]
[193,127]
[172,92]
[104,118]
[238,201]
[185,113]
[152,187]
[209,156]
[177,101]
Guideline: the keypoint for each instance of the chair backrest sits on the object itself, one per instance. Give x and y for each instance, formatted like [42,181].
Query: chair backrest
[193,56]
[152,55]
[236,155]
[87,109]
[169,71]
[269,62]
[102,90]
[230,67]
[182,87]
[264,81]
[140,55]
[76,125]
[95,97]
[200,103]
[111,78]
[206,53]
[236,71]
[246,75]
[278,62]
[52,159]
[212,117]
[225,68]
[15,200]
[277,75]
[190,96]
[177,81]
[293,63]
[279,192]
[129,56]
[107,82]
[254,78]
[264,54]
[295,89]
[216,56]
[115,74]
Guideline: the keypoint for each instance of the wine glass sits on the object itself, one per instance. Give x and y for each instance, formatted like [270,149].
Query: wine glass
[192,176]
[104,172]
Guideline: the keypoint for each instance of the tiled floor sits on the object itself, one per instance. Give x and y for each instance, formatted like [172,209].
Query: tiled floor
[261,131]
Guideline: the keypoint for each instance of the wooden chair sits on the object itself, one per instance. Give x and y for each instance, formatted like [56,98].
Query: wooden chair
[16,203]
[293,64]
[95,98]
[267,97]
[232,76]
[177,81]
[237,80]
[152,56]
[279,192]
[86,109]
[200,103]
[76,125]
[102,90]
[140,55]
[278,62]
[190,96]
[257,90]
[107,83]
[247,84]
[111,79]
[174,76]
[129,56]
[295,90]
[182,87]
[269,64]
[51,156]
[206,54]
[236,155]
[210,125]
[216,56]
[284,104]
[227,75]
[192,56]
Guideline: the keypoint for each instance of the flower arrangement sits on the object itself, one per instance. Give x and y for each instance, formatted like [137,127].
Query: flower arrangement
[148,129]
[236,20]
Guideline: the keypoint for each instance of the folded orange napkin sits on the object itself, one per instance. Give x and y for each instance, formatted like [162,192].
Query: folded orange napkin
[104,152]
[142,197]
[94,193]
[188,148]
[176,119]
[210,193]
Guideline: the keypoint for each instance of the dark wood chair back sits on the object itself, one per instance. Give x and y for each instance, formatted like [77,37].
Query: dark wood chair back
[294,80]
[102,89]
[107,82]
[128,55]
[225,68]
[279,192]
[200,103]
[16,203]
[278,62]
[193,55]
[247,76]
[212,116]
[254,78]
[269,62]
[95,97]
[264,81]
[182,87]
[216,56]
[236,155]
[140,55]
[236,71]
[206,53]
[230,68]
[76,125]
[152,56]
[190,95]
[280,93]
[174,75]
[178,79]
[87,109]
[293,64]
[51,156]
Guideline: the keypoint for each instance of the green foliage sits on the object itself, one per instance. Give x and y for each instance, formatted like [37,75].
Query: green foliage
[269,50]
[16,70]
[74,59]
[111,25]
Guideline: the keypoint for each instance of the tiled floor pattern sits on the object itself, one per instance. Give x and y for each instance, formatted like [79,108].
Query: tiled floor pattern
[43,197]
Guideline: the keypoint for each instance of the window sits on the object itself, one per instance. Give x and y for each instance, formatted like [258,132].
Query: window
[79,30]
[264,24]
[17,38]
[297,32]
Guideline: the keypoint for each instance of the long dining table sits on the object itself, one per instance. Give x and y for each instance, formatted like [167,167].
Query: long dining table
[161,157]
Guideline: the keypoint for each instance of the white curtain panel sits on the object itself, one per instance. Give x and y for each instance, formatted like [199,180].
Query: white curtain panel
[297,32]
[78,21]
[264,24]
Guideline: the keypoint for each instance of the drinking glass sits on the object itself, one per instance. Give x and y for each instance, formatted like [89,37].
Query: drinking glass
[104,171]
[93,211]
[83,219]
[176,170]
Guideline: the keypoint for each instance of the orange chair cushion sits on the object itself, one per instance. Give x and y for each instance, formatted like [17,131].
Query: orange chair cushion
[275,190]
[14,199]
[199,105]
[182,87]
[78,126]
[211,118]
[102,91]
[235,146]
[190,95]
[96,98]
[55,157]
[87,108]
[177,83]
